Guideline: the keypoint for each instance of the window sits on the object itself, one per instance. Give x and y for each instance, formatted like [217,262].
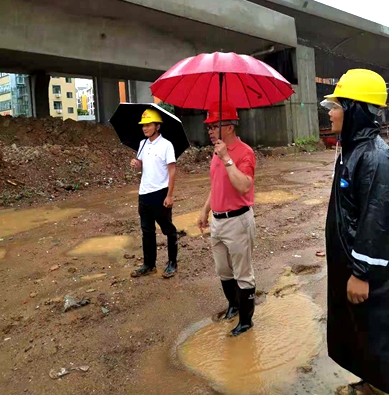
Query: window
[57,105]
[68,80]
[69,95]
[70,110]
[57,89]
[5,88]
[5,105]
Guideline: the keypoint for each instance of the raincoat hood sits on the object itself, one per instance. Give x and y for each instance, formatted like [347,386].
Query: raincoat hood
[358,124]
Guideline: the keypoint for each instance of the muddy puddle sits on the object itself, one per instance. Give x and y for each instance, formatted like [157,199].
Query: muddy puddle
[188,223]
[16,221]
[286,336]
[275,197]
[112,246]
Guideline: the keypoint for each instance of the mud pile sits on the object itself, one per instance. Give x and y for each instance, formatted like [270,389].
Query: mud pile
[46,159]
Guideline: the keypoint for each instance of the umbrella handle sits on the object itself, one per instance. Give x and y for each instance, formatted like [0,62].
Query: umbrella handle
[221,75]
[137,155]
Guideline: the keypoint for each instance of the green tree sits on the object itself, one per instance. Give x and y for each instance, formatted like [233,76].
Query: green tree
[167,107]
[80,111]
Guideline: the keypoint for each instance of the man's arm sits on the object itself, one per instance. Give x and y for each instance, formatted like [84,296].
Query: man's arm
[240,181]
[171,167]
[371,244]
[202,222]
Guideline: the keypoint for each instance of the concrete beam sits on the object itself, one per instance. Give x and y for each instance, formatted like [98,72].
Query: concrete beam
[235,15]
[33,28]
[315,8]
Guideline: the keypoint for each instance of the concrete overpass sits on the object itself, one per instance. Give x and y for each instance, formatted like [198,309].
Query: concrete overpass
[341,40]
[128,40]
[138,40]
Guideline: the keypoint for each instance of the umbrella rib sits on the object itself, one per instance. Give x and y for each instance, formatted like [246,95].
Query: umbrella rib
[263,90]
[245,91]
[205,99]
[271,80]
[190,91]
[167,97]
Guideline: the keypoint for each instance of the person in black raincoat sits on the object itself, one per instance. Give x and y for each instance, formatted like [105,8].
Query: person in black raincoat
[357,234]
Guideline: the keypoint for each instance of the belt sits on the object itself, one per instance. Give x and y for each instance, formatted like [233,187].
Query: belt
[233,213]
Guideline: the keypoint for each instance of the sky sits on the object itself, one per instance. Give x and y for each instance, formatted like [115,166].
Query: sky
[374,10]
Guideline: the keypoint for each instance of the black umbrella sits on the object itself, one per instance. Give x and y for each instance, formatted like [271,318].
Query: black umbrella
[126,119]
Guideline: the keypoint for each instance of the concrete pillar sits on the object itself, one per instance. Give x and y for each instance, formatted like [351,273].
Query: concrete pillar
[131,91]
[107,98]
[288,121]
[303,104]
[40,94]
[139,92]
[143,92]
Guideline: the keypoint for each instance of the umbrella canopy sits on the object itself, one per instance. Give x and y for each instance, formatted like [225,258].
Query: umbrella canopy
[243,81]
[126,119]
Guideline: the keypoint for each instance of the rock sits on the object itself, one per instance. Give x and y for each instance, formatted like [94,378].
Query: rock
[128,256]
[305,368]
[320,254]
[33,294]
[54,267]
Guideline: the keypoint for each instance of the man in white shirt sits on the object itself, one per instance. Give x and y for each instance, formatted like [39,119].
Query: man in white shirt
[157,160]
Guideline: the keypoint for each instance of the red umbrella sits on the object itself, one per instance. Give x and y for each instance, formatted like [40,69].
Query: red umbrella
[242,80]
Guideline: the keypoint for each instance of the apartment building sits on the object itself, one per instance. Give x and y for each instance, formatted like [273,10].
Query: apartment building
[15,97]
[62,98]
[85,98]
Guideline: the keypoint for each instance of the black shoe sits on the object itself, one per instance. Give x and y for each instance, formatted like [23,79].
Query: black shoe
[230,291]
[144,271]
[171,270]
[246,311]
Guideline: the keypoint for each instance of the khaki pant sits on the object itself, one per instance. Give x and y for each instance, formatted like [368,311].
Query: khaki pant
[232,246]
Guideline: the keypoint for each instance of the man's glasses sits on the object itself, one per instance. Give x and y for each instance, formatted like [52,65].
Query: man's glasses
[215,127]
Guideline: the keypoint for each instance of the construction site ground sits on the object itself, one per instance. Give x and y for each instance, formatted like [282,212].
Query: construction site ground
[73,320]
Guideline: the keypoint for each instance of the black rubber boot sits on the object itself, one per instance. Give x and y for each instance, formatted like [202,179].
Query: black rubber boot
[144,271]
[230,291]
[246,311]
[149,243]
[172,249]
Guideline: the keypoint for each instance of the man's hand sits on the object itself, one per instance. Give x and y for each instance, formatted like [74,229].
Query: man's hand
[168,202]
[357,290]
[136,163]
[202,222]
[221,150]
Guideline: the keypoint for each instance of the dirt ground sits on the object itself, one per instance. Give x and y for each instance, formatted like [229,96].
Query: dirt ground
[124,339]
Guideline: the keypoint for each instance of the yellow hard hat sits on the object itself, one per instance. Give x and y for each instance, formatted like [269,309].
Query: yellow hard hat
[150,116]
[361,85]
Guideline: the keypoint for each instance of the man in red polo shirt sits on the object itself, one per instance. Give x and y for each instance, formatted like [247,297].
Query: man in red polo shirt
[233,225]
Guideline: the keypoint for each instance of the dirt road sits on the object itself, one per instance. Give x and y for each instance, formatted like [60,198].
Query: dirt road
[136,336]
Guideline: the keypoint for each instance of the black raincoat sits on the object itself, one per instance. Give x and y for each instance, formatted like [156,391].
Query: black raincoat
[357,238]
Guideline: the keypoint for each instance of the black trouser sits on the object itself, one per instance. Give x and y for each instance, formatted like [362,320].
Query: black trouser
[151,210]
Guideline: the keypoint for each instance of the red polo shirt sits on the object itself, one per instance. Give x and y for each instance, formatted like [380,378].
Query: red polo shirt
[224,197]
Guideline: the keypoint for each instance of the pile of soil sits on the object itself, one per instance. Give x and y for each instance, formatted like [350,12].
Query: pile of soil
[46,159]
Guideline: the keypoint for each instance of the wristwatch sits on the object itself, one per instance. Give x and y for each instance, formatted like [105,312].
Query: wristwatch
[229,163]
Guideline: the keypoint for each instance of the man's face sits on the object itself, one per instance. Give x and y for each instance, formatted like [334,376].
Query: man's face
[150,128]
[336,117]
[213,131]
